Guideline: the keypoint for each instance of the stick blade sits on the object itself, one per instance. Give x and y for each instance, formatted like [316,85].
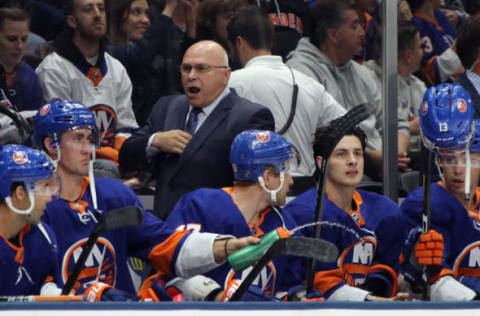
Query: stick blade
[314,248]
[124,216]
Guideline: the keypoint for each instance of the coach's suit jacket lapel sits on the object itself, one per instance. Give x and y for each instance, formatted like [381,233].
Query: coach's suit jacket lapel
[176,118]
[209,126]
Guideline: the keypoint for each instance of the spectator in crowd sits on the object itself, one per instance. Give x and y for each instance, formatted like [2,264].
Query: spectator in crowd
[187,137]
[289,18]
[29,247]
[368,50]
[20,90]
[80,69]
[140,37]
[261,161]
[213,18]
[366,227]
[440,61]
[468,44]
[129,21]
[19,82]
[326,56]
[267,80]
[410,88]
[67,132]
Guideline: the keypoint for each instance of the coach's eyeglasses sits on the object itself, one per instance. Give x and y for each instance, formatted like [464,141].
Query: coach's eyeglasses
[199,68]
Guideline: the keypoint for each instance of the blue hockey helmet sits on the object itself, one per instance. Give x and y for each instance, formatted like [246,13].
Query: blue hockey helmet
[253,150]
[25,165]
[58,116]
[446,117]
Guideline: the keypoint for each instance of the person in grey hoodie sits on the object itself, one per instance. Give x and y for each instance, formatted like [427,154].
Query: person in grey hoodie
[334,37]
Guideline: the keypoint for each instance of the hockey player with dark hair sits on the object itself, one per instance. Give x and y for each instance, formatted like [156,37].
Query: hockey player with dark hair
[451,247]
[261,161]
[28,246]
[366,227]
[67,132]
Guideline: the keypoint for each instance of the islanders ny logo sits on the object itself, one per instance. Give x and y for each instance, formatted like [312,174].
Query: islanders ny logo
[263,137]
[101,264]
[462,105]
[45,109]
[424,108]
[106,119]
[265,280]
[356,260]
[20,157]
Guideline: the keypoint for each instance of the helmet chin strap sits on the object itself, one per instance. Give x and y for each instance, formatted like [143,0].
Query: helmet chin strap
[8,201]
[273,193]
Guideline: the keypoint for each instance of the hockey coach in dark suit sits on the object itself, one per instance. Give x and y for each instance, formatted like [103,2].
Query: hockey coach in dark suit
[187,139]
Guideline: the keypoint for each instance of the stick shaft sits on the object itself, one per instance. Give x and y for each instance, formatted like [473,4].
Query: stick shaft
[318,218]
[427,213]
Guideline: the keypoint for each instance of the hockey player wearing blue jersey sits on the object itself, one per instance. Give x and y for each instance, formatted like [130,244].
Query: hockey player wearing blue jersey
[366,227]
[28,247]
[446,123]
[67,131]
[260,160]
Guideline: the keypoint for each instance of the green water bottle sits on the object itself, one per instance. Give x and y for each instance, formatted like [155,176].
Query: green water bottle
[243,258]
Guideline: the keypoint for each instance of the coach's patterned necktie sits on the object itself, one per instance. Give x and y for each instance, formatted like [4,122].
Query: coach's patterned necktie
[192,121]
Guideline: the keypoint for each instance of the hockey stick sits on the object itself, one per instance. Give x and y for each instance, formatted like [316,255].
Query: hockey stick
[121,217]
[294,246]
[39,298]
[341,126]
[426,211]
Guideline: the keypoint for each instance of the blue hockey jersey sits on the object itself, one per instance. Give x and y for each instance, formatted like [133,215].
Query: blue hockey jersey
[213,210]
[460,229]
[436,37]
[27,268]
[73,222]
[369,238]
